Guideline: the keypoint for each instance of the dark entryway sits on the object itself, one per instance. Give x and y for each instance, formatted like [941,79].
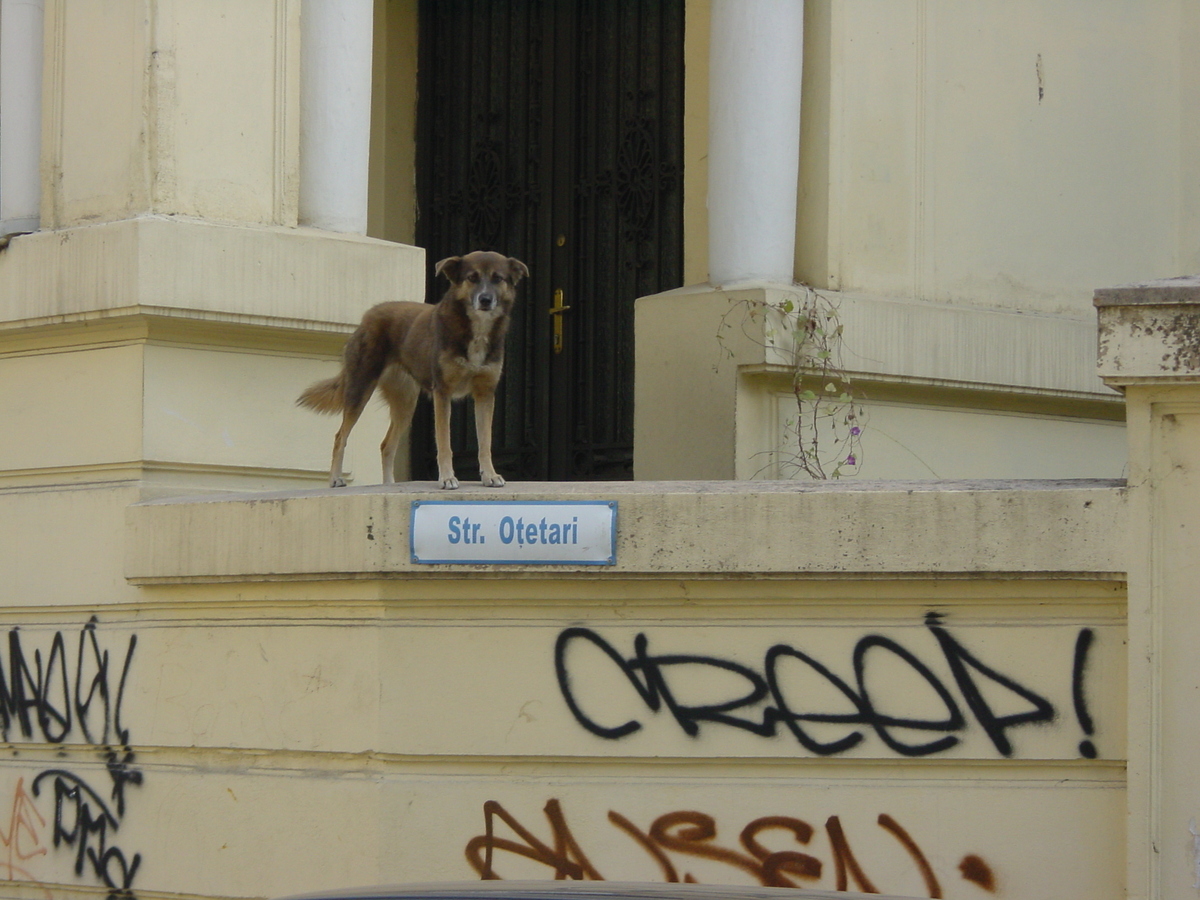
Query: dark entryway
[552,131]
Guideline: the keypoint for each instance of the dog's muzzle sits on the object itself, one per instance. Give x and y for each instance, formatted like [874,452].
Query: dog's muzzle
[485,302]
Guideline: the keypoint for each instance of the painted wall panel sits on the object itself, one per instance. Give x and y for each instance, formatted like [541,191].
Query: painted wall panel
[71,409]
[903,440]
[272,826]
[889,686]
[690,690]
[215,407]
[254,755]
[52,552]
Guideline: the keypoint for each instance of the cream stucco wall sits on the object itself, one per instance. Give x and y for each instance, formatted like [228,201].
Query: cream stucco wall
[296,704]
[946,391]
[285,738]
[967,176]
[1005,155]
[155,333]
[224,680]
[1002,156]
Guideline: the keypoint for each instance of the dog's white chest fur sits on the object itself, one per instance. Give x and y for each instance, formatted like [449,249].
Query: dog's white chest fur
[477,351]
[480,344]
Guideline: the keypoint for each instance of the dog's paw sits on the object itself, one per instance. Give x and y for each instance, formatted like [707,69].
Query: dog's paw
[337,482]
[450,484]
[493,480]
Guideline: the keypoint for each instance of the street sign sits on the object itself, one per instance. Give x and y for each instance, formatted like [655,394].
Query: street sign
[535,532]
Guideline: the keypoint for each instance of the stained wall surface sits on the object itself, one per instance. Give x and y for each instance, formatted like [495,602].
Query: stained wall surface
[911,688]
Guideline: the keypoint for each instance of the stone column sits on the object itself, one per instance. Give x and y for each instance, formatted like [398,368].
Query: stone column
[754,139]
[688,383]
[1150,348]
[21,27]
[335,113]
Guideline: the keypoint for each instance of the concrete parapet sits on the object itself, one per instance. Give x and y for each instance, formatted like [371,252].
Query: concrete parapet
[665,529]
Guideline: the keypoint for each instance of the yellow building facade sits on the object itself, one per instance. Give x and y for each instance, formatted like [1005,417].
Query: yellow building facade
[222,679]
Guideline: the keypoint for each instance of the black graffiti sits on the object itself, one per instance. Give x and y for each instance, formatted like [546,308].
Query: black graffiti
[85,822]
[76,697]
[1083,644]
[652,677]
[59,695]
[119,765]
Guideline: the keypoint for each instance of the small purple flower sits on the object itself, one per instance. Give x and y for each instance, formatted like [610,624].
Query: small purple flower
[851,461]
[855,431]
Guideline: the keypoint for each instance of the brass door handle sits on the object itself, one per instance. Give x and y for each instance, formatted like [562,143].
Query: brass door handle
[556,311]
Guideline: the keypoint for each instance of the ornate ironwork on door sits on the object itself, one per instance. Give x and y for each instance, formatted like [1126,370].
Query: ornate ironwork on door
[552,130]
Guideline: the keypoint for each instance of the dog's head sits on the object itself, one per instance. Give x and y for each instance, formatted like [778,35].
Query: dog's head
[483,280]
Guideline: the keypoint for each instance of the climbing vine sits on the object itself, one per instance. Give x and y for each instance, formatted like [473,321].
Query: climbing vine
[825,435]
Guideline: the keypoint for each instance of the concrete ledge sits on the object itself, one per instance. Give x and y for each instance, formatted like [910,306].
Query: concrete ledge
[174,265]
[664,529]
[904,340]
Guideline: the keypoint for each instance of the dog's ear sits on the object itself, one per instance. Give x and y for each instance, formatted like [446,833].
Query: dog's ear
[451,267]
[517,270]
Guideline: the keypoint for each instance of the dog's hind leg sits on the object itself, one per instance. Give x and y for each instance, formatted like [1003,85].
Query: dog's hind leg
[441,430]
[358,392]
[349,417]
[485,404]
[363,361]
[401,392]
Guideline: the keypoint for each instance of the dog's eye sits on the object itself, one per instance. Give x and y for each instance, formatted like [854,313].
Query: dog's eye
[473,278]
[497,278]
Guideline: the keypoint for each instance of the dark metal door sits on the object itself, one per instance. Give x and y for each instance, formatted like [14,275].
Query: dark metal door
[552,131]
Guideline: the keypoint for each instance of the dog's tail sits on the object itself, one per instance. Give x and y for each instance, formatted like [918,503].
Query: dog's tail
[328,396]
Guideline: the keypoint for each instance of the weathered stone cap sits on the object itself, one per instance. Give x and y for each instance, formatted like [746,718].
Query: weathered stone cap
[1162,292]
[1149,332]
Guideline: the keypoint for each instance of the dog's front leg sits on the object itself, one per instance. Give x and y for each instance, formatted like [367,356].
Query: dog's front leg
[485,405]
[441,429]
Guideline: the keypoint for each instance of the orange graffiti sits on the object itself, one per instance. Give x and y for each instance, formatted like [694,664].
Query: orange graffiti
[22,841]
[565,857]
[975,869]
[693,833]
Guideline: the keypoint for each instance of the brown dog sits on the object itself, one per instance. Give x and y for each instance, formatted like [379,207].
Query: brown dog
[448,350]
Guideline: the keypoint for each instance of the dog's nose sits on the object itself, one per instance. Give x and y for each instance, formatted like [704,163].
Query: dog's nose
[487,301]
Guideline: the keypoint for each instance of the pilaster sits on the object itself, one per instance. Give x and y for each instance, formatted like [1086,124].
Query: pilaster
[173,108]
[1150,348]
